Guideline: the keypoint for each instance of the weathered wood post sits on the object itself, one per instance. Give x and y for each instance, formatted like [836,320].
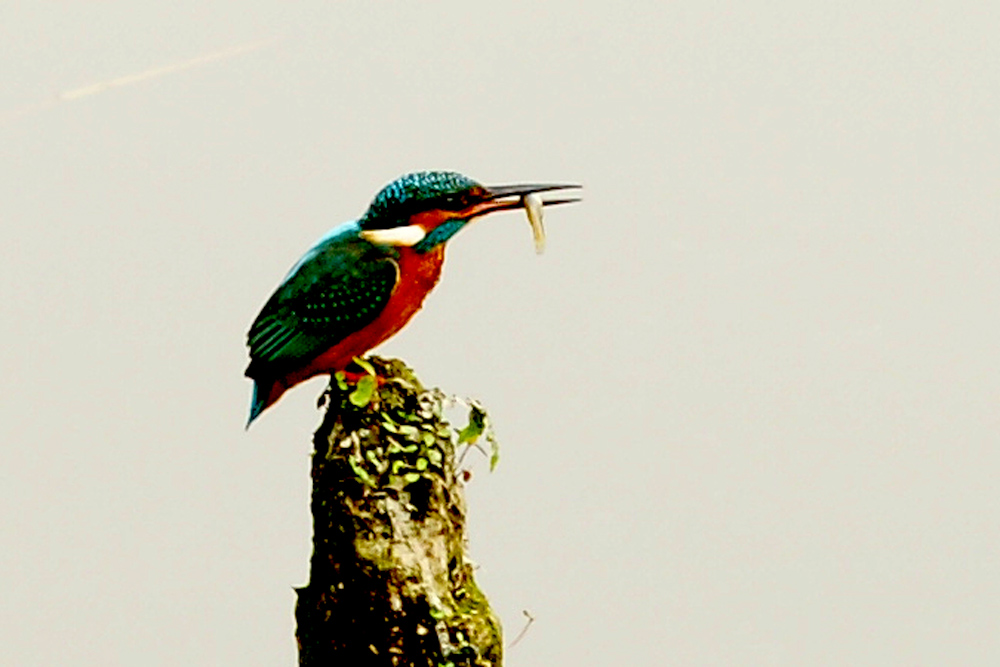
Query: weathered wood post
[390,580]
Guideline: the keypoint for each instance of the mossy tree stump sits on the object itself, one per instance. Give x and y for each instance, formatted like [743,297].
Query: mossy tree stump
[390,581]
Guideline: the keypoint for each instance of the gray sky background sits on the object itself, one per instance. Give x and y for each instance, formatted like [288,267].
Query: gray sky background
[748,399]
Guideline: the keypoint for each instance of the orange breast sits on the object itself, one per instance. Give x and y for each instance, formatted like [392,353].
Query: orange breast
[418,274]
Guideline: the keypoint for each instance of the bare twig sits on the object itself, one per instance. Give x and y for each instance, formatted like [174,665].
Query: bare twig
[524,630]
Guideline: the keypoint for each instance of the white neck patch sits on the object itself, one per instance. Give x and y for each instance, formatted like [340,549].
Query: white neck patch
[400,236]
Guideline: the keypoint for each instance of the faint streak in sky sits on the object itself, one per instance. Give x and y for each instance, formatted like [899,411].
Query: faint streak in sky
[130,79]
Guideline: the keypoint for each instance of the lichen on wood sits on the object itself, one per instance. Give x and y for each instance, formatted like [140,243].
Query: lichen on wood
[391,582]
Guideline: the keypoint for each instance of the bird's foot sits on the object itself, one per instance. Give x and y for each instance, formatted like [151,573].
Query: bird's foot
[365,382]
[354,377]
[345,380]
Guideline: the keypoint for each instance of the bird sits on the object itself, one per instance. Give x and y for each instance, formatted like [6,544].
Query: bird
[365,279]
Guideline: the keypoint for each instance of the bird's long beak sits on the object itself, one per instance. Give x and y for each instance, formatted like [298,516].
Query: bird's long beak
[508,197]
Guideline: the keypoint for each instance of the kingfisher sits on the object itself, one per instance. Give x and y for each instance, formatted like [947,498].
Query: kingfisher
[365,279]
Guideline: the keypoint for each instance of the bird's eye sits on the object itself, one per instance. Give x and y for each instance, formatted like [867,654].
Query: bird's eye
[453,202]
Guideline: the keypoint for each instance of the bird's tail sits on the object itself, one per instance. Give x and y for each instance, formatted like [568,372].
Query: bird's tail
[265,393]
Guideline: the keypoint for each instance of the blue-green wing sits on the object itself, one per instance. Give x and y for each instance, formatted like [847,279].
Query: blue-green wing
[338,288]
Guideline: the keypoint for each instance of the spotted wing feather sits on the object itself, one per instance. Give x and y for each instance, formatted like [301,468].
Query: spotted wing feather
[339,289]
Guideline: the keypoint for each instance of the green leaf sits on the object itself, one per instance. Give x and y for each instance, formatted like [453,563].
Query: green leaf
[491,437]
[360,472]
[494,454]
[341,382]
[411,477]
[363,393]
[475,427]
[367,367]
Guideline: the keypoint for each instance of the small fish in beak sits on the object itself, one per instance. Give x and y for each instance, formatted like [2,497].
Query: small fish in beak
[533,207]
